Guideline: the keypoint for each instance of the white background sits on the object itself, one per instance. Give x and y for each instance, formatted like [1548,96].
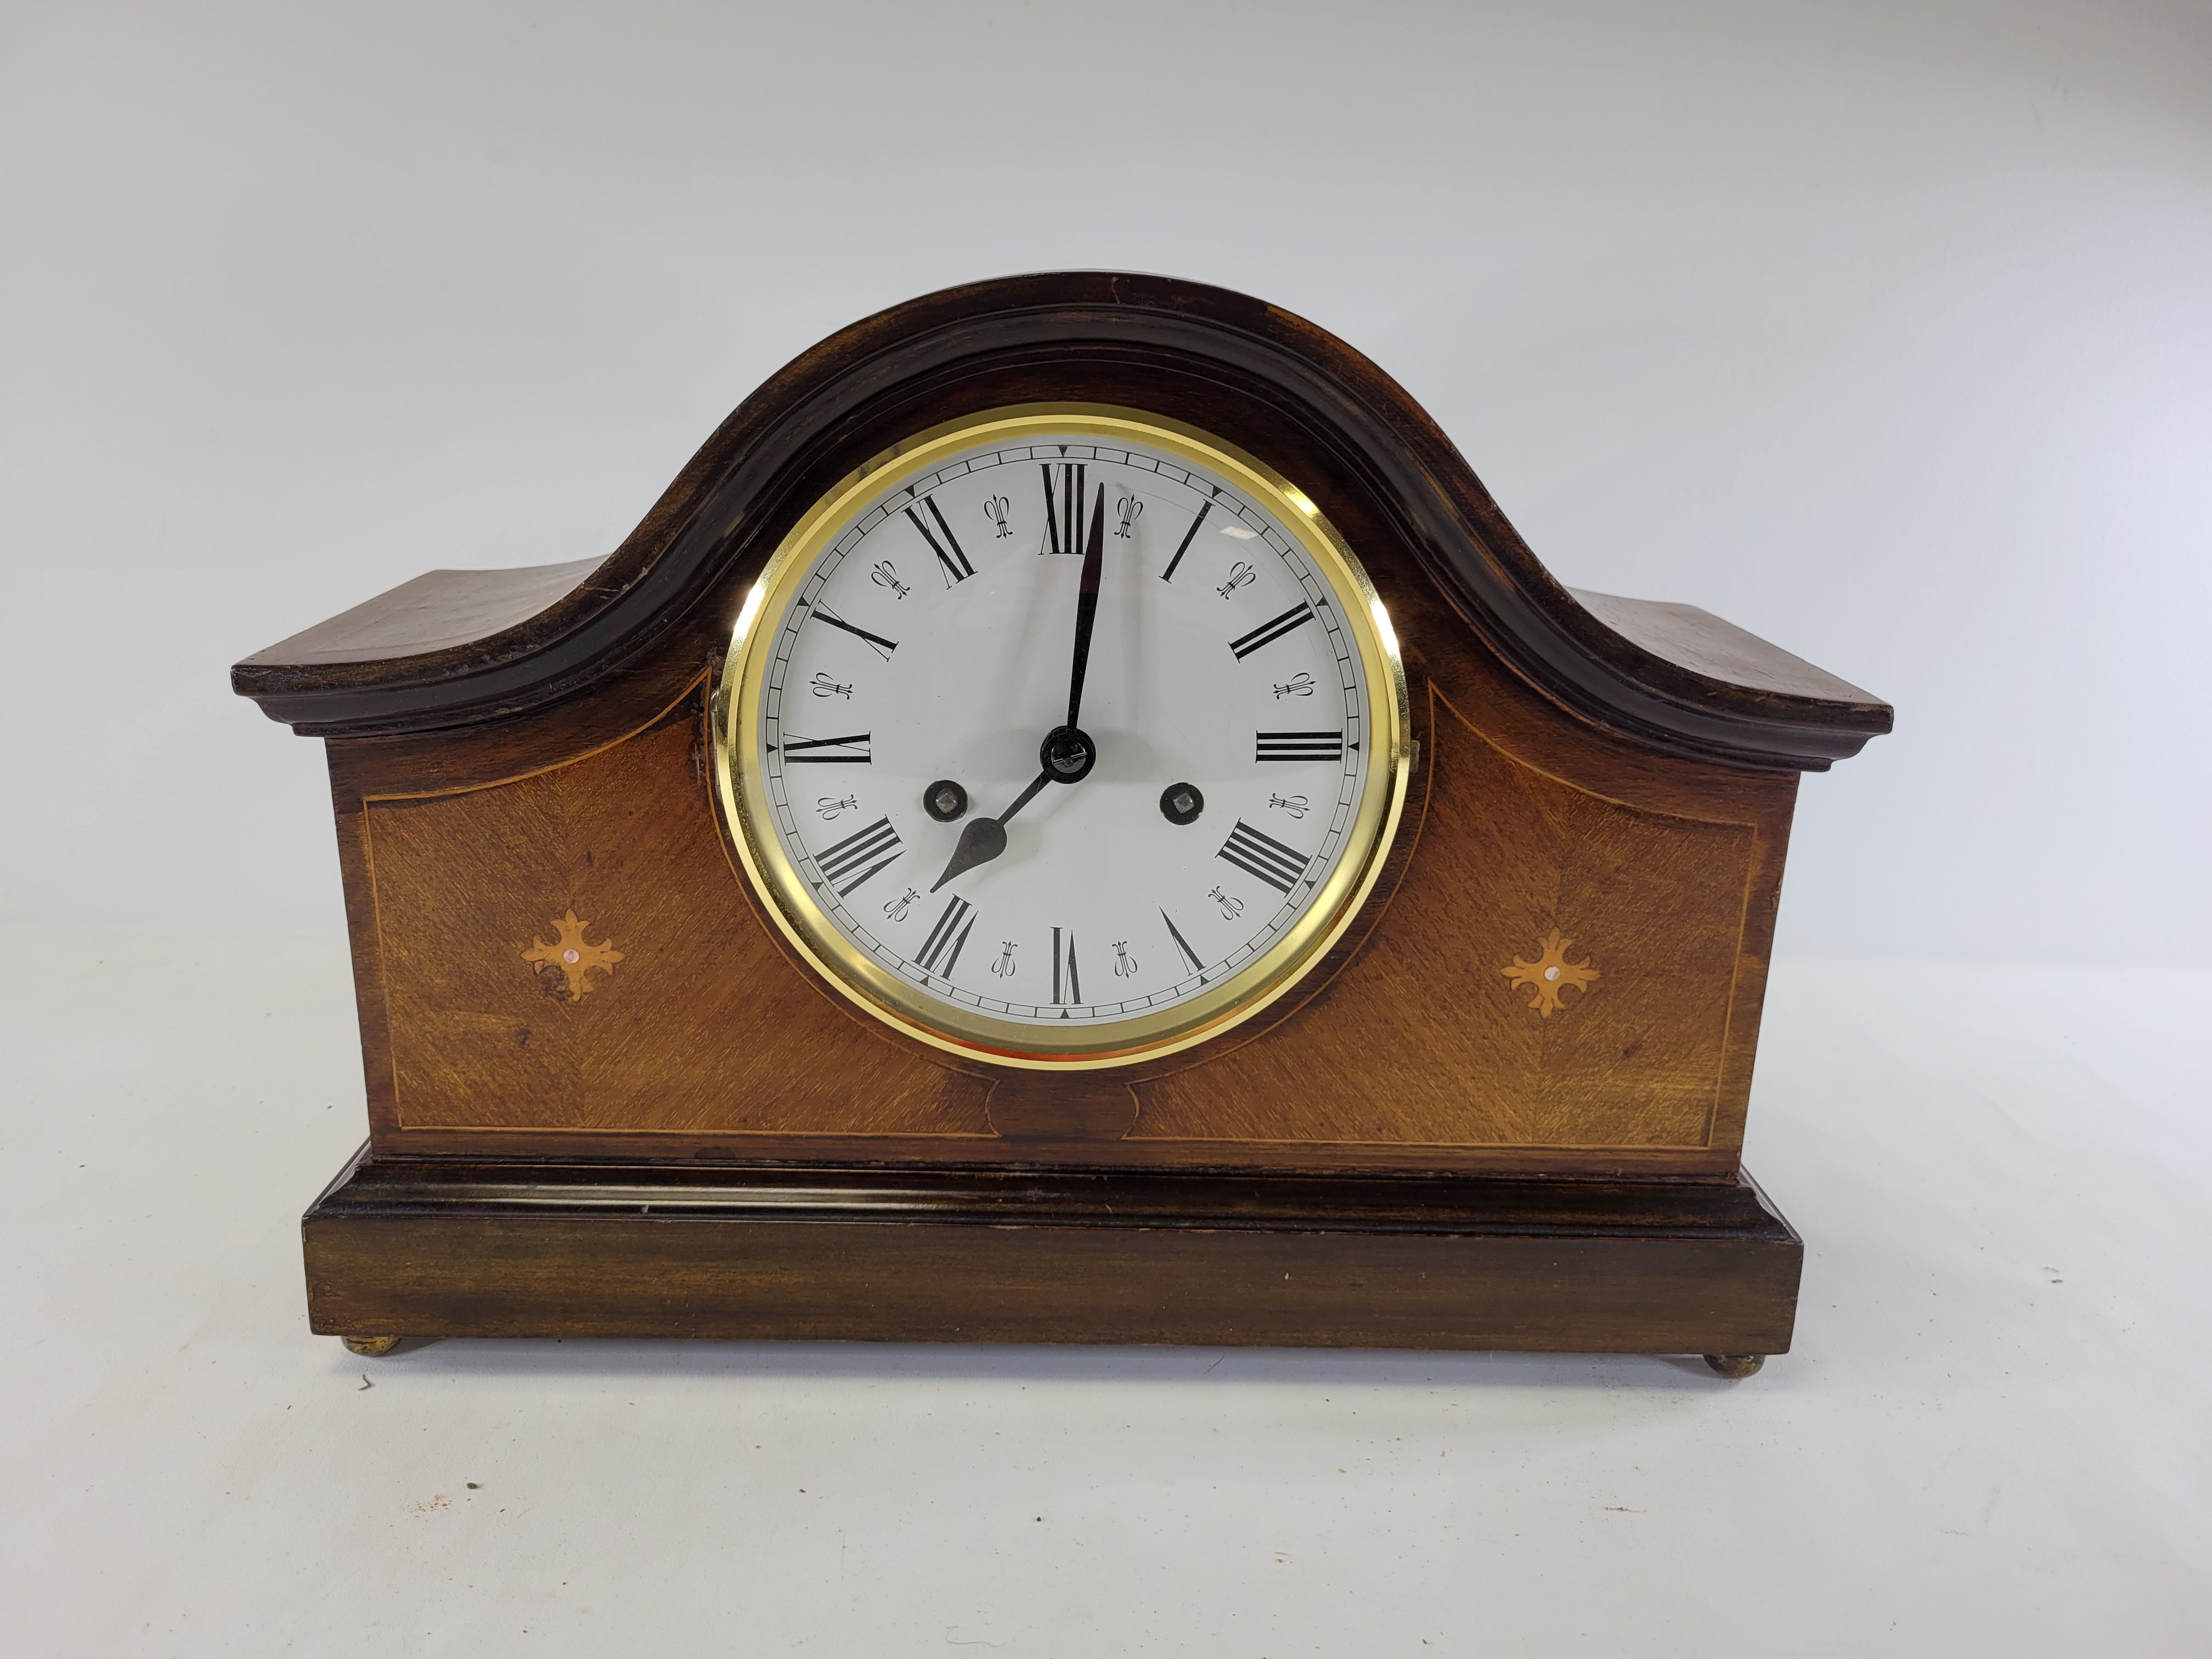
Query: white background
[1884,329]
[1989,1435]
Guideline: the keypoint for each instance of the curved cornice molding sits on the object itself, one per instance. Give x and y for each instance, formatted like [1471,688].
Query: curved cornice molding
[461,647]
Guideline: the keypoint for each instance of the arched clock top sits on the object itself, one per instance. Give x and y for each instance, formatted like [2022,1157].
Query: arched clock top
[457,648]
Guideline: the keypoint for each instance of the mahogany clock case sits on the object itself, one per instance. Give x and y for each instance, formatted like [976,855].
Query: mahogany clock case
[1505,1110]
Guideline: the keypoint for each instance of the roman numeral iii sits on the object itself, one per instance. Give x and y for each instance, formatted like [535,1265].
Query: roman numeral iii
[1297,745]
[954,562]
[1257,853]
[858,856]
[1271,630]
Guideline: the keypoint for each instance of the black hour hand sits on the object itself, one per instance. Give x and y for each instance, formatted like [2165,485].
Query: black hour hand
[982,839]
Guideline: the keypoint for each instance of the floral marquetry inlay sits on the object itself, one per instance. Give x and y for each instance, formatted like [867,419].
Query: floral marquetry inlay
[1550,973]
[572,956]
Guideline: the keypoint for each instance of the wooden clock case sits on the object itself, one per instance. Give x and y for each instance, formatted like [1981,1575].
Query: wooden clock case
[605,1098]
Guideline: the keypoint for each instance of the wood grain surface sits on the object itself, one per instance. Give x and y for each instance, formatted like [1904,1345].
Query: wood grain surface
[702,1026]
[1409,1047]
[1424,1039]
[430,1249]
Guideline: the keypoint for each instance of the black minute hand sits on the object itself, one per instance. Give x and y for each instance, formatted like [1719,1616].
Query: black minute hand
[982,839]
[1067,755]
[1086,607]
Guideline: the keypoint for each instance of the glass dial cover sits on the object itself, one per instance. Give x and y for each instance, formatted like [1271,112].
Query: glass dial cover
[923,820]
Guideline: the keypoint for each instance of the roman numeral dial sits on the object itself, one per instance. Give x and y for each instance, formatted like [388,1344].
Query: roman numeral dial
[1056,737]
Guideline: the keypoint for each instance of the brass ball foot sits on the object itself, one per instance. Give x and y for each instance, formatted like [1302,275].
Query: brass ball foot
[1735,1364]
[371,1347]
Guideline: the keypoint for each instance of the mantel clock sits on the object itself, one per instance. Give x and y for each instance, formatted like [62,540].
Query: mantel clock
[1075,818]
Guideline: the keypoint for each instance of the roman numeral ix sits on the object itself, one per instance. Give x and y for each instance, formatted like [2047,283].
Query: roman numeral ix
[792,746]
[1268,632]
[858,856]
[1297,745]
[947,938]
[1259,854]
[955,562]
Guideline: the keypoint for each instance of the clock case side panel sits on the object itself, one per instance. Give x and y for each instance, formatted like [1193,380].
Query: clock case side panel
[701,1035]
[491,753]
[1414,1038]
[358,879]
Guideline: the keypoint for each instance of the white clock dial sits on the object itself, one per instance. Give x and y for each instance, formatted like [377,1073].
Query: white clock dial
[1022,883]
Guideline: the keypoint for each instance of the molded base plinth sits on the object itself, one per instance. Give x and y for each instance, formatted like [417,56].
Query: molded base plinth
[439,1247]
